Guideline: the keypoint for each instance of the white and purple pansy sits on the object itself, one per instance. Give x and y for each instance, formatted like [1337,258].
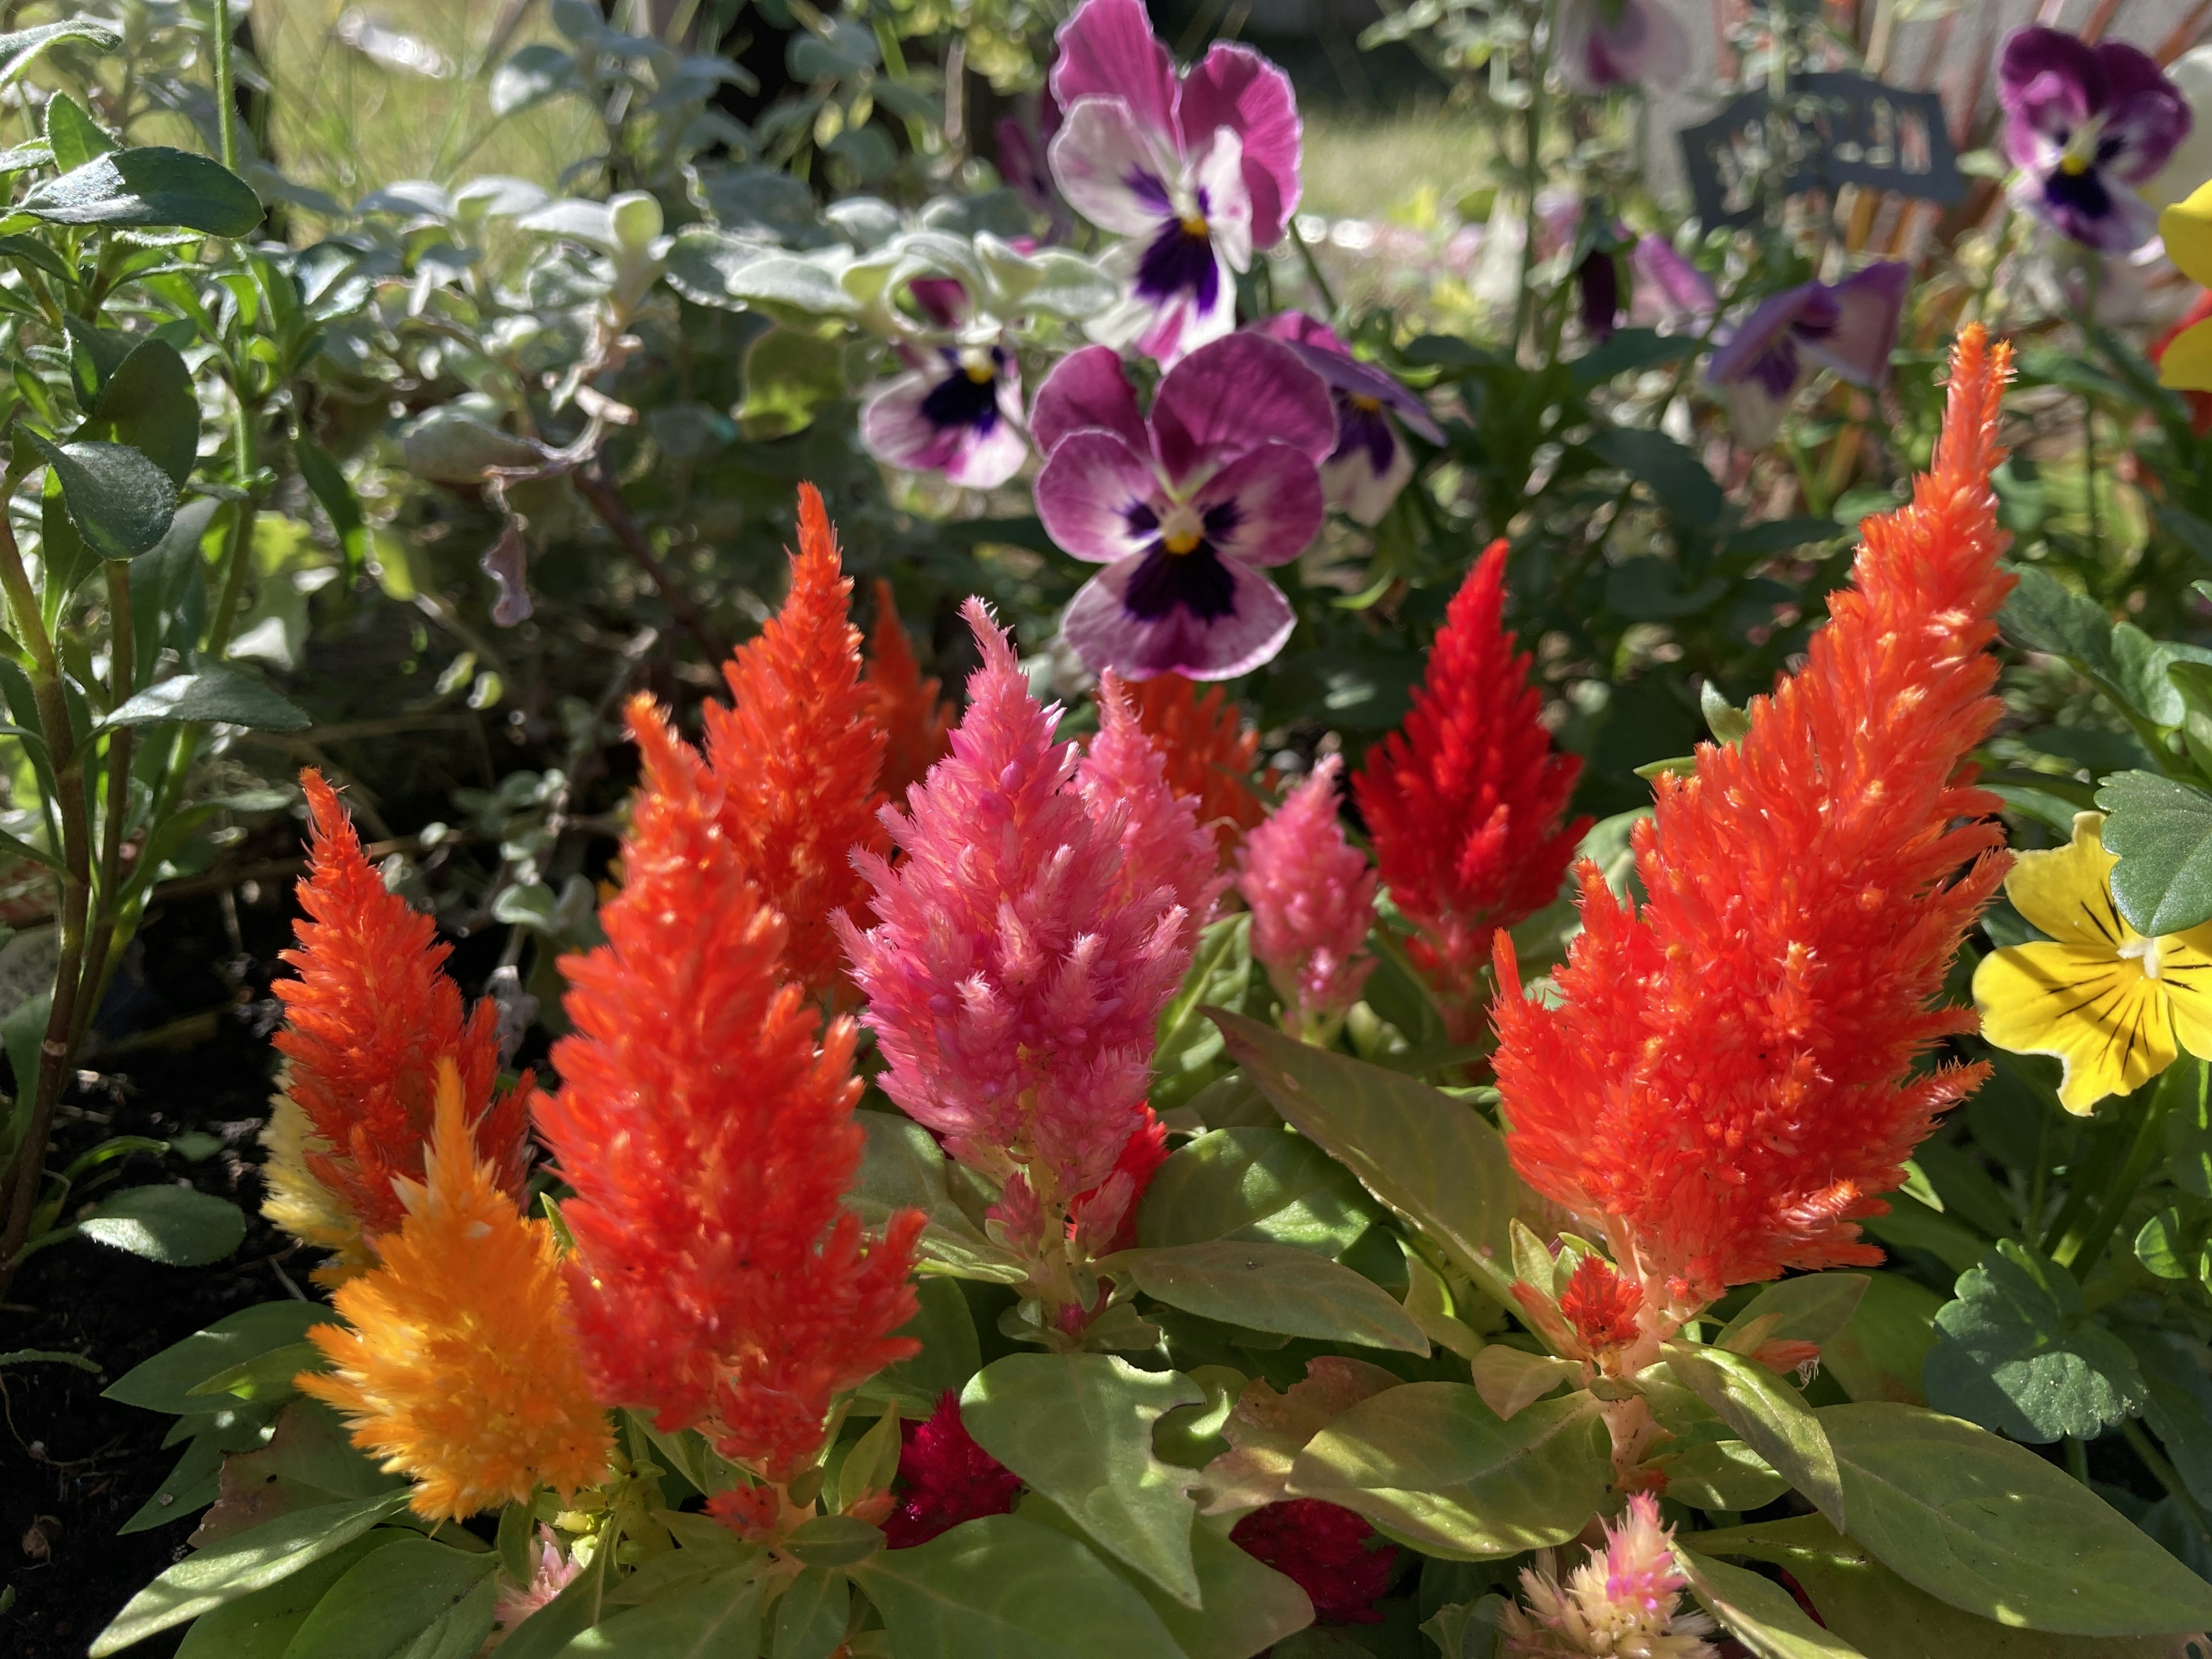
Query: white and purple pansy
[1848,328]
[1186,507]
[1370,462]
[1196,170]
[957,409]
[2085,125]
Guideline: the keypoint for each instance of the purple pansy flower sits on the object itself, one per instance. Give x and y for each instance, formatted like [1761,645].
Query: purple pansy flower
[2084,124]
[957,409]
[1196,170]
[1184,508]
[1670,291]
[1371,463]
[1849,327]
[1620,43]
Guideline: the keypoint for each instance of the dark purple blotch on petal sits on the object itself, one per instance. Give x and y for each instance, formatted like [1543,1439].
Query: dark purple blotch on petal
[1196,582]
[1180,260]
[962,401]
[1361,424]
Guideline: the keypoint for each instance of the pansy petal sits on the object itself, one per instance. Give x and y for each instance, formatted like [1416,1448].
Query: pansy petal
[2066,891]
[1164,327]
[1234,86]
[1295,328]
[2141,130]
[1353,481]
[1346,374]
[1224,198]
[2104,1021]
[1110,172]
[893,428]
[1870,304]
[2184,971]
[1088,388]
[1108,50]
[1264,507]
[1107,634]
[2048,82]
[1758,334]
[1669,287]
[1236,393]
[1642,44]
[1095,496]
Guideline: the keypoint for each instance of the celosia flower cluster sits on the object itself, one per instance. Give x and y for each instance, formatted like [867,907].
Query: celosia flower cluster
[1624,1602]
[459,1368]
[916,722]
[1466,805]
[1312,897]
[1341,1563]
[1728,1077]
[367,1022]
[1041,917]
[944,1479]
[796,753]
[719,1279]
[1210,751]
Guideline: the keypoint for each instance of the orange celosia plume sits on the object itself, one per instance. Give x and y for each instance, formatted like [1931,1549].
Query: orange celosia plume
[459,1367]
[1210,751]
[1728,1077]
[917,722]
[796,754]
[719,1277]
[367,1024]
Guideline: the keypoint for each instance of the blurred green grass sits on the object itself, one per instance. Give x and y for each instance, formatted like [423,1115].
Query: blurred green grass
[1370,166]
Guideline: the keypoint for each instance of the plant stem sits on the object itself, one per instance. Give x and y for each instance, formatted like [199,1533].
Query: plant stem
[122,652]
[596,483]
[1313,267]
[226,99]
[2092,271]
[2164,1472]
[2084,1246]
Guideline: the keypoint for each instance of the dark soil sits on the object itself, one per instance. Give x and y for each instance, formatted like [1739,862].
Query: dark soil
[73,1467]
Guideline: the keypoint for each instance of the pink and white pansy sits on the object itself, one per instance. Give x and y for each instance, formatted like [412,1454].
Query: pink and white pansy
[1186,507]
[957,409]
[1196,170]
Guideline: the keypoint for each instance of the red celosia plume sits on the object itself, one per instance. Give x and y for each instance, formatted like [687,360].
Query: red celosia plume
[1465,804]
[1332,1553]
[796,754]
[1728,1077]
[944,1478]
[367,1022]
[1601,1305]
[917,722]
[719,1277]
[1209,750]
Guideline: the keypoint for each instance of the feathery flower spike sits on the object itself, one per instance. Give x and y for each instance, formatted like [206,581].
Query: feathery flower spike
[917,723]
[1313,901]
[1727,1078]
[1020,962]
[1621,1603]
[1124,779]
[459,1368]
[719,1277]
[1210,752]
[1465,804]
[797,752]
[367,1023]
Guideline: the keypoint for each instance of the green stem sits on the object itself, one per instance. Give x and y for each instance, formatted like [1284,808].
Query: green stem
[1313,268]
[225,100]
[122,651]
[2083,1247]
[2093,272]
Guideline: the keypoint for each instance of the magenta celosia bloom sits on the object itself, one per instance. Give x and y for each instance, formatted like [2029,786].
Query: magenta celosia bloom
[1313,901]
[1124,783]
[1016,972]
[1186,507]
[1371,463]
[2086,125]
[1196,170]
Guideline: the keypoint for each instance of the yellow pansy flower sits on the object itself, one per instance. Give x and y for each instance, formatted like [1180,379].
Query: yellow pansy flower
[2110,1004]
[2186,228]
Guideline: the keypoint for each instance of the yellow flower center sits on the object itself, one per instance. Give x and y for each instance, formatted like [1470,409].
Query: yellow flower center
[1182,530]
[2073,165]
[1194,224]
[2141,952]
[2080,152]
[1366,404]
[980,372]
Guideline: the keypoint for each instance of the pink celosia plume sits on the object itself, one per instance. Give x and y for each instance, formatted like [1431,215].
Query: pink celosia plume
[1020,957]
[1312,896]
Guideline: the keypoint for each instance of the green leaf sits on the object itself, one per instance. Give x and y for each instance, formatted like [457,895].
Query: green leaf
[74,137]
[792,376]
[1770,1416]
[1988,1526]
[547,1632]
[1864,1603]
[329,486]
[904,1170]
[2042,614]
[165,1382]
[1432,1466]
[212,692]
[1273,1287]
[1912,1225]
[721,1617]
[149,403]
[411,1600]
[1758,1612]
[263,1375]
[1270,1186]
[1078,1428]
[261,1625]
[1186,1055]
[1880,1353]
[1720,1474]
[120,502]
[2189,1142]
[2160,831]
[811,1616]
[175,1225]
[2017,1354]
[951,1352]
[50,1357]
[152,186]
[1008,1587]
[1666,466]
[834,1541]
[1811,1309]
[20,49]
[1429,1158]
[245,1562]
[2178,1403]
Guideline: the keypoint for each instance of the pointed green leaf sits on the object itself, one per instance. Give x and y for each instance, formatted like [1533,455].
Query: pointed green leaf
[413,1599]
[121,501]
[175,1225]
[164,1384]
[72,134]
[1879,1354]
[1810,1308]
[811,1616]
[1078,1428]
[213,692]
[1432,1466]
[2160,831]
[1268,1185]
[719,1618]
[152,186]
[149,403]
[903,1168]
[1758,1612]
[1770,1416]
[1273,1287]
[261,1625]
